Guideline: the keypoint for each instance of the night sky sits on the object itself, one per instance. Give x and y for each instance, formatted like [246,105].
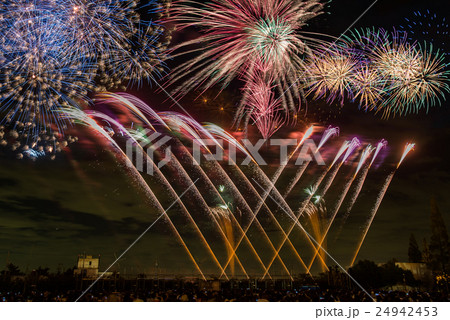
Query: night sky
[85,202]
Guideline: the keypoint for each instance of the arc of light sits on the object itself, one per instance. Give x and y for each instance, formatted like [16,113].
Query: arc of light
[366,153]
[262,201]
[244,233]
[345,147]
[182,122]
[330,132]
[169,186]
[408,148]
[82,118]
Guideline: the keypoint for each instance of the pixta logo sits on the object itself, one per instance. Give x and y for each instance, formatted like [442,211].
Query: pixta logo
[144,146]
[152,150]
[306,151]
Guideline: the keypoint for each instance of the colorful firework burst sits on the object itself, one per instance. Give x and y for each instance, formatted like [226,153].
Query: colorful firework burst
[380,71]
[54,52]
[415,76]
[243,37]
[330,73]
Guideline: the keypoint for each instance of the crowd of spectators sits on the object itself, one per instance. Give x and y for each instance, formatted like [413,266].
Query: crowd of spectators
[240,295]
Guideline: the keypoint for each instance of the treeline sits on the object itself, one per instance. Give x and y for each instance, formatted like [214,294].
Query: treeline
[13,279]
[435,252]
[373,276]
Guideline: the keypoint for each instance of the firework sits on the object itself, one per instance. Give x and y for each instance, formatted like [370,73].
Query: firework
[360,183]
[372,216]
[232,142]
[264,109]
[242,37]
[82,118]
[45,144]
[328,133]
[408,148]
[161,177]
[223,215]
[373,212]
[348,145]
[399,77]
[382,144]
[138,107]
[367,87]
[190,129]
[37,76]
[345,146]
[365,154]
[316,212]
[429,27]
[233,230]
[54,53]
[280,170]
[330,73]
[380,71]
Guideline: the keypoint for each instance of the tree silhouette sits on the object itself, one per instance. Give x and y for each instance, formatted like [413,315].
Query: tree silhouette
[367,273]
[439,246]
[13,270]
[44,272]
[392,275]
[426,255]
[414,253]
[370,275]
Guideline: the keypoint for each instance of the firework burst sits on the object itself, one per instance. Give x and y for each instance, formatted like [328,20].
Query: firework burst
[367,87]
[243,37]
[398,77]
[330,74]
[380,71]
[427,85]
[429,27]
[53,53]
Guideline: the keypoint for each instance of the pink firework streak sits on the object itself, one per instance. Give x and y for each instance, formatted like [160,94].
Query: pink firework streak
[263,107]
[130,102]
[373,212]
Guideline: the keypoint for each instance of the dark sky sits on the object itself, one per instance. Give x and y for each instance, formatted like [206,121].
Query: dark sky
[84,201]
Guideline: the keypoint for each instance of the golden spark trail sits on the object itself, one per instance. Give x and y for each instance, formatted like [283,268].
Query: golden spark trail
[280,170]
[348,147]
[212,187]
[373,212]
[254,218]
[364,157]
[408,148]
[330,132]
[297,218]
[238,195]
[86,120]
[261,203]
[359,186]
[169,187]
